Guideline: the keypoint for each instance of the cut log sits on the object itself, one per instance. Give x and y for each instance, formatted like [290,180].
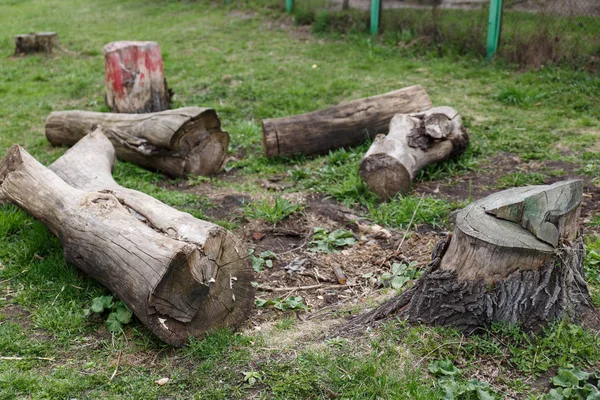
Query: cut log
[347,124]
[41,42]
[495,270]
[135,81]
[414,141]
[181,276]
[177,142]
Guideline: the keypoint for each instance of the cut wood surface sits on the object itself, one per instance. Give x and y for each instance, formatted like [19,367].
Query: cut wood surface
[495,270]
[181,276]
[177,142]
[560,205]
[347,124]
[135,81]
[41,42]
[414,141]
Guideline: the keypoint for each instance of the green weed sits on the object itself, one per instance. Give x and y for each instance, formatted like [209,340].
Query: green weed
[399,211]
[118,312]
[289,303]
[272,211]
[324,241]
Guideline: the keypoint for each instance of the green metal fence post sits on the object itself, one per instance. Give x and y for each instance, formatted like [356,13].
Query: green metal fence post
[494,28]
[289,4]
[375,14]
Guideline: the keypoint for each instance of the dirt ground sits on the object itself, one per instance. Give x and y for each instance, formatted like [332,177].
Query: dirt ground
[377,248]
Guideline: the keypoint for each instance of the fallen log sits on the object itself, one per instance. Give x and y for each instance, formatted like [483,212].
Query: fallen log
[177,142]
[496,269]
[347,124]
[41,42]
[414,141]
[135,81]
[181,276]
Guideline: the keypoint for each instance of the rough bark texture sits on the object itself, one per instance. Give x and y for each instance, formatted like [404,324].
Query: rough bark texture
[494,270]
[347,124]
[414,141]
[181,276]
[41,42]
[135,81]
[177,142]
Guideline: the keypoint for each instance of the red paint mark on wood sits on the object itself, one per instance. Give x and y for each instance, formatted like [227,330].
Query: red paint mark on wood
[134,77]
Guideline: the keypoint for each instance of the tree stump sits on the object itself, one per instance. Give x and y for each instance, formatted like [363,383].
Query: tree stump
[495,268]
[414,141]
[181,276]
[177,142]
[41,42]
[347,124]
[135,81]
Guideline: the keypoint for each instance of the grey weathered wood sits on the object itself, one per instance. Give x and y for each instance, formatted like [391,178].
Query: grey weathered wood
[41,42]
[494,270]
[347,124]
[550,213]
[177,142]
[414,141]
[181,276]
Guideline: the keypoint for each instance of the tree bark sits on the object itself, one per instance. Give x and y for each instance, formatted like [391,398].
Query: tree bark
[181,276]
[177,142]
[414,141]
[347,124]
[41,42]
[135,81]
[496,270]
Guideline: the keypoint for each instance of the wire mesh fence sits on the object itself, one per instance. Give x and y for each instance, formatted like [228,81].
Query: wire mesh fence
[533,32]
[537,31]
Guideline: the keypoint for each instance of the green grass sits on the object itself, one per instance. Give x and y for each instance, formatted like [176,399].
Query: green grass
[248,67]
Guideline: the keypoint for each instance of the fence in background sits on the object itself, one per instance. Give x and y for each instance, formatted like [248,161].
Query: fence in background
[528,32]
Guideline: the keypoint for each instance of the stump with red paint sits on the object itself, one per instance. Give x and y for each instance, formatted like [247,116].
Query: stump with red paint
[135,81]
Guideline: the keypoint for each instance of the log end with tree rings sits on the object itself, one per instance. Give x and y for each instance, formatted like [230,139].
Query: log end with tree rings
[413,142]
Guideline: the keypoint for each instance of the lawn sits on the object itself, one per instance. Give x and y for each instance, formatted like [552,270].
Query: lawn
[249,63]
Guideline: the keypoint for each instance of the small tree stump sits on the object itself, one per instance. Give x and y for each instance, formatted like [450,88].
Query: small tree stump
[41,42]
[177,142]
[414,141]
[181,276]
[497,270]
[135,81]
[347,124]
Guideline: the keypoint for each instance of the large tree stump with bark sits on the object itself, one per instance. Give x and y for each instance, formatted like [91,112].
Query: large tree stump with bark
[414,141]
[135,81]
[347,124]
[515,257]
[41,42]
[181,276]
[177,142]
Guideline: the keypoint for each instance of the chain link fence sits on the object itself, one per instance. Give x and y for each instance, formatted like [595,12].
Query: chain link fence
[533,32]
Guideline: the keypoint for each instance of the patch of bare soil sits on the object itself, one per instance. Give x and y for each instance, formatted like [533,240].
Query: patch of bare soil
[297,271]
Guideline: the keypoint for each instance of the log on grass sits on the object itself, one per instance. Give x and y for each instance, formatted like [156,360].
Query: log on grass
[181,276]
[347,124]
[41,42]
[177,142]
[135,81]
[414,141]
[515,257]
